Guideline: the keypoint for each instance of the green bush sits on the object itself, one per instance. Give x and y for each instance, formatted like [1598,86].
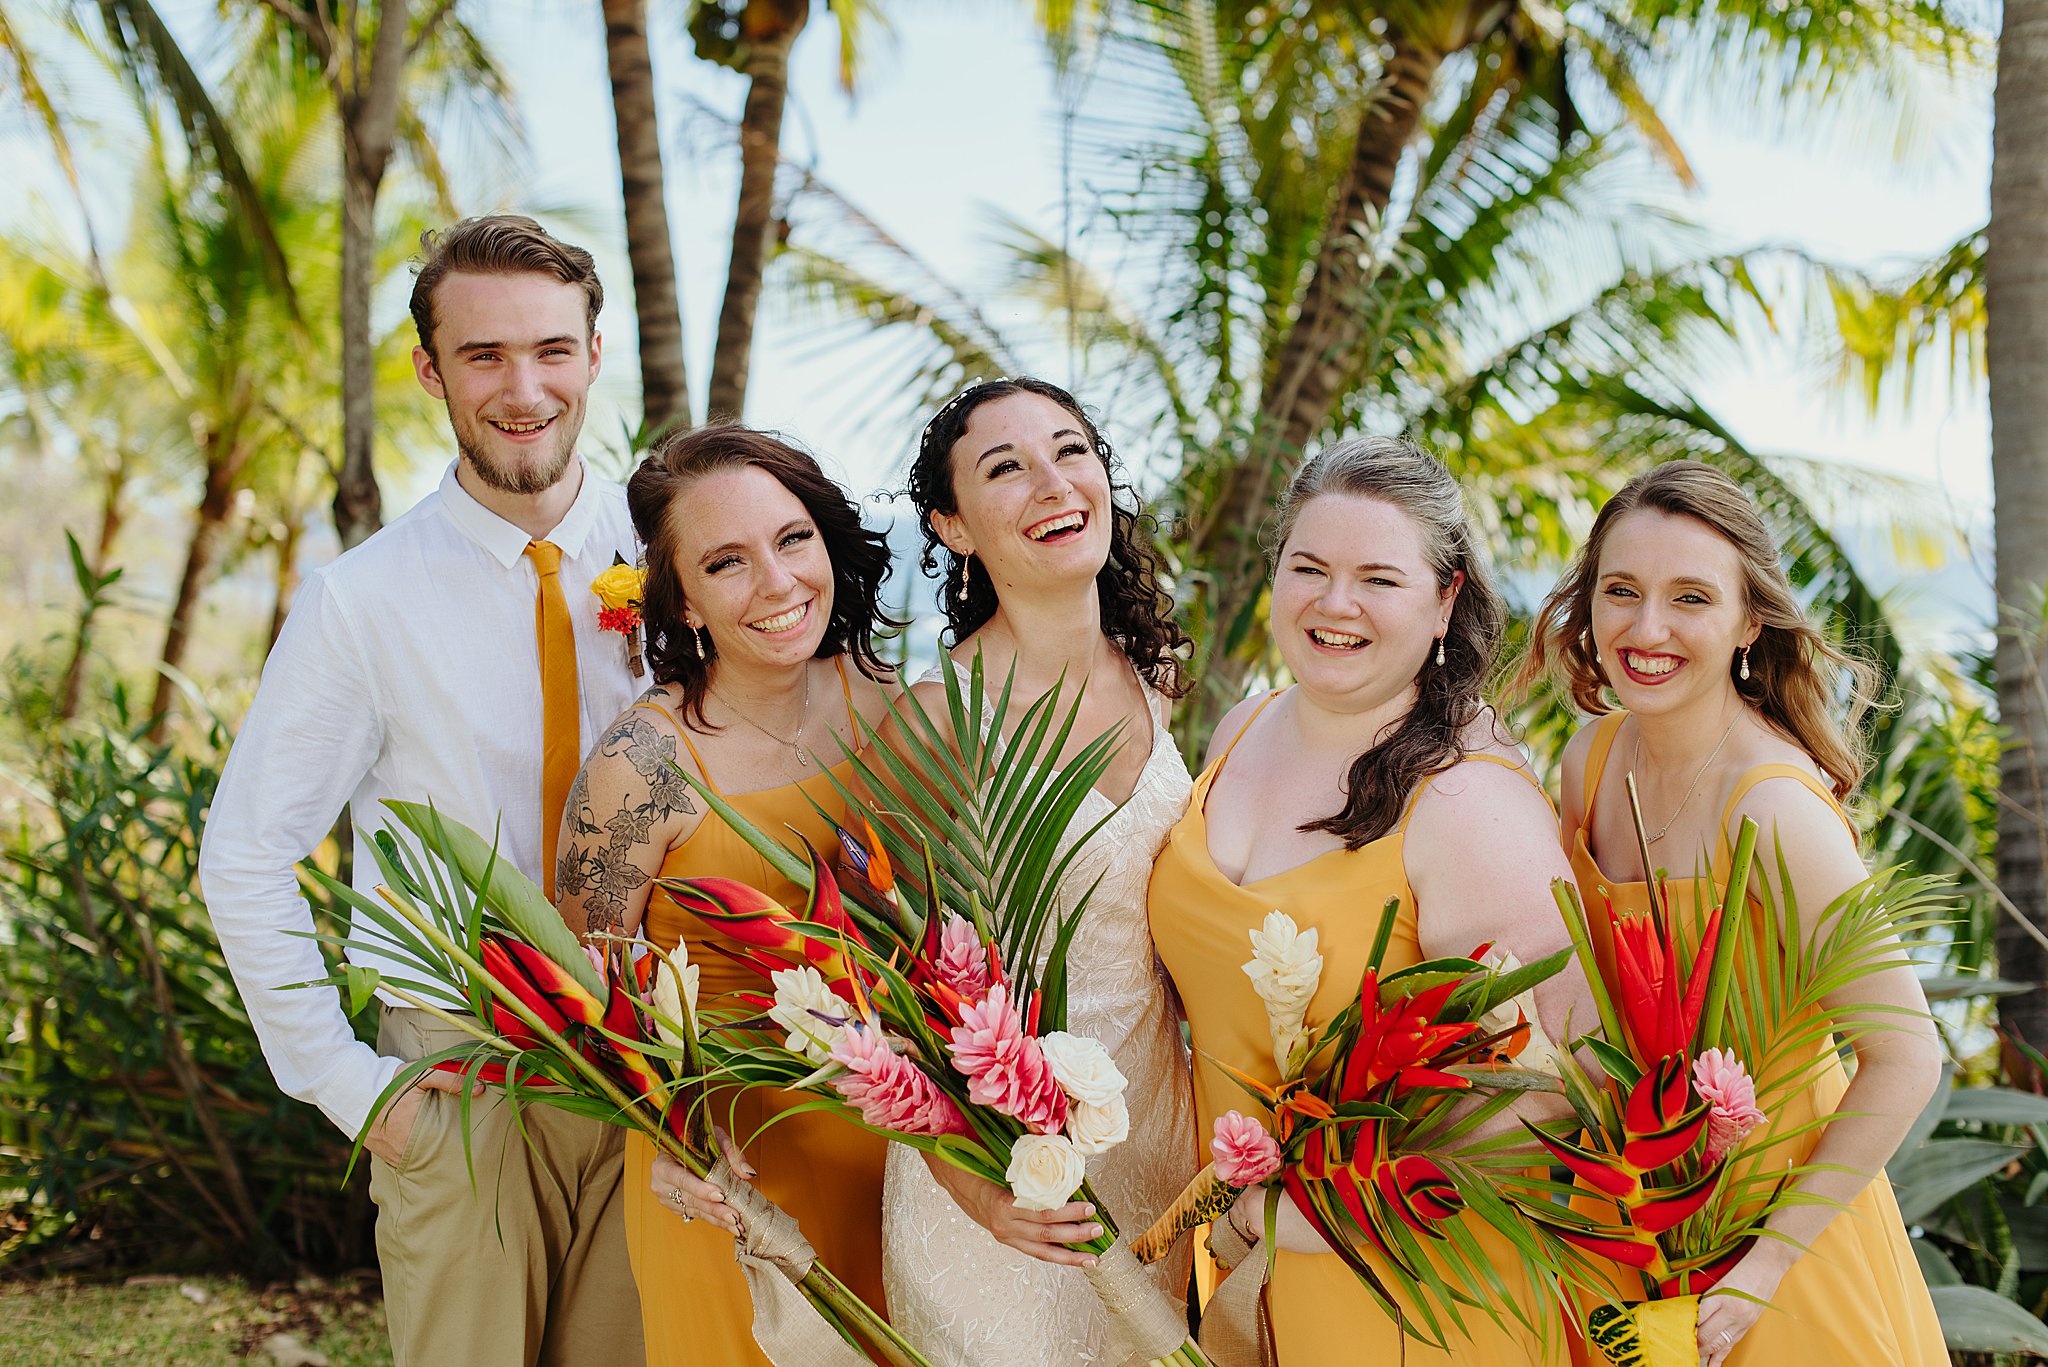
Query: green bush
[139,1125]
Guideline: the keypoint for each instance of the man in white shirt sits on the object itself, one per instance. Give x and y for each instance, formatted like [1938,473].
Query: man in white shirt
[455,657]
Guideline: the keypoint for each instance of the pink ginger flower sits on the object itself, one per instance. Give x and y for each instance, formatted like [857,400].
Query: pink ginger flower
[1245,1153]
[1730,1093]
[963,961]
[1005,1068]
[892,1092]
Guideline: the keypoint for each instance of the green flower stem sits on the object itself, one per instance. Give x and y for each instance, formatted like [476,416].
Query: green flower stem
[1723,967]
[1575,922]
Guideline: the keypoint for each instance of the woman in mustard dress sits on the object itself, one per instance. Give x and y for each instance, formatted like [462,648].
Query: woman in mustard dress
[762,588]
[1379,774]
[1678,604]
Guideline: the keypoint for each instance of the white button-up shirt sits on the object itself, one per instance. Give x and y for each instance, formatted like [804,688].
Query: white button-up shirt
[408,669]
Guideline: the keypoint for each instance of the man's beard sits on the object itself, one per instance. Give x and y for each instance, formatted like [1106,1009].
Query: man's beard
[524,478]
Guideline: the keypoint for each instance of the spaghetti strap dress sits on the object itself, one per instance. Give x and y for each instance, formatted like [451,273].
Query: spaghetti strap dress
[1856,1294]
[694,1304]
[1319,1311]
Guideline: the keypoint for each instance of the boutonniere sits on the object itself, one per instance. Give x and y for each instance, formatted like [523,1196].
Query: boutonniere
[618,591]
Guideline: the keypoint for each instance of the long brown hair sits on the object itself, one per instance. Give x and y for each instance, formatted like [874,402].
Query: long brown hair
[1137,613]
[860,556]
[1796,675]
[1401,474]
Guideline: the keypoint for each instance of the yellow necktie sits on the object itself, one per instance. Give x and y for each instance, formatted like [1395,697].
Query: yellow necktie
[561,741]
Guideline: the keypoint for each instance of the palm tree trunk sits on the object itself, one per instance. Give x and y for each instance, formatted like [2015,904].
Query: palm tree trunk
[767,66]
[368,99]
[664,389]
[200,553]
[2016,291]
[1307,377]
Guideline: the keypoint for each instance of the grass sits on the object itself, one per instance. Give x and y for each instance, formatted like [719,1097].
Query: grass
[157,1322]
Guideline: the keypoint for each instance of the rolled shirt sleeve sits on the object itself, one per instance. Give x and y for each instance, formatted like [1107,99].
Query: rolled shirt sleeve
[312,733]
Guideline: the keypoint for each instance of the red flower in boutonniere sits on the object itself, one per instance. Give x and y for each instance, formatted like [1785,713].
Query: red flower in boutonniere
[618,592]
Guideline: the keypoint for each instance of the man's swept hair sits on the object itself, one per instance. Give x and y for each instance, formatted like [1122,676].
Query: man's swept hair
[498,244]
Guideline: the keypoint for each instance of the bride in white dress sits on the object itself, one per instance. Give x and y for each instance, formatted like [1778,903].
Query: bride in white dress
[1048,576]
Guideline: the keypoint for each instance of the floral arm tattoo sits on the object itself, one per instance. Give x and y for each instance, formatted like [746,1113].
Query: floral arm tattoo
[597,862]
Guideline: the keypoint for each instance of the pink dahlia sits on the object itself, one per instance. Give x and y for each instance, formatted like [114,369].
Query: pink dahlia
[1730,1093]
[963,961]
[891,1091]
[1245,1153]
[1005,1068]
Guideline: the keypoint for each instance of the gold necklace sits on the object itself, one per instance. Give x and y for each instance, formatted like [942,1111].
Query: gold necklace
[803,718]
[1636,758]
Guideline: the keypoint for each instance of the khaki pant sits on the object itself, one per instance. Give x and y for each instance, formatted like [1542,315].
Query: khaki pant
[525,1266]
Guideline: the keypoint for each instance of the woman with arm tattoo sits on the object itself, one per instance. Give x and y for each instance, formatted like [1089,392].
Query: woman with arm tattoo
[761,606]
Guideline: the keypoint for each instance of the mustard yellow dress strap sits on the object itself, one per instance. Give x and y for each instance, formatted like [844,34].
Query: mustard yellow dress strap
[1605,731]
[684,732]
[1503,761]
[1217,767]
[846,689]
[1764,772]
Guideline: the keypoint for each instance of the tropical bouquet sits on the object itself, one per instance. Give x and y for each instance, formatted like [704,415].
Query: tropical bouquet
[1373,1128]
[930,1005]
[1707,1031]
[603,1027]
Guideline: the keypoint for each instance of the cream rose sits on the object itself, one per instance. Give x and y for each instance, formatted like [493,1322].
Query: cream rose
[1098,1129]
[1082,1067]
[799,995]
[1540,1055]
[1045,1171]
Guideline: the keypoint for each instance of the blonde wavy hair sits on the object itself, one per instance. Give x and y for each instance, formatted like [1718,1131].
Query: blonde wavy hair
[1797,677]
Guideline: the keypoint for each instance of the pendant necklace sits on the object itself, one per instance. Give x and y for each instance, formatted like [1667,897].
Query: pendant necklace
[803,718]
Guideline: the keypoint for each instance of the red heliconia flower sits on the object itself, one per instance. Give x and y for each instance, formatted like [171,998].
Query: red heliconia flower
[490,1074]
[622,1019]
[1419,1190]
[543,986]
[1660,1000]
[754,919]
[1658,1130]
[1402,1044]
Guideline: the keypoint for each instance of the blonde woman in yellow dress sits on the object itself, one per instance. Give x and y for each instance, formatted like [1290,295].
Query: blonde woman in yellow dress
[1380,773]
[761,605]
[1678,606]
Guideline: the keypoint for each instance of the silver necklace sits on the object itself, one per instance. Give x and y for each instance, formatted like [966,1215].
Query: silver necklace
[1636,758]
[795,744]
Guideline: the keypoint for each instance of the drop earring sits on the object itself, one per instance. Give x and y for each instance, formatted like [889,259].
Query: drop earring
[697,642]
[1744,671]
[1439,651]
[966,565]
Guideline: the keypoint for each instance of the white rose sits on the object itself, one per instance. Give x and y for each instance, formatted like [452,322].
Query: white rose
[1097,1129]
[1045,1171]
[1541,1054]
[669,999]
[1082,1067]
[800,994]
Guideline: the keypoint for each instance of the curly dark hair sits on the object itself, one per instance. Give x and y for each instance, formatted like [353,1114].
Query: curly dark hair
[860,556]
[1137,613]
[1429,738]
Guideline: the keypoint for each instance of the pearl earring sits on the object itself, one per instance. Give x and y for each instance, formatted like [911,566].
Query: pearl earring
[697,642]
[1744,672]
[965,565]
[1439,650]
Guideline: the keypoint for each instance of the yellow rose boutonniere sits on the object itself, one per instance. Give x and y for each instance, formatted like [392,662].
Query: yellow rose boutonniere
[618,591]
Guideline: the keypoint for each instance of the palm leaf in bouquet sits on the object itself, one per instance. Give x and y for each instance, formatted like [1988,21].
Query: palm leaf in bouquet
[1711,1031]
[588,1029]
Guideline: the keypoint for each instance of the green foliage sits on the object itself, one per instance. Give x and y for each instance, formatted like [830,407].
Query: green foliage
[138,1121]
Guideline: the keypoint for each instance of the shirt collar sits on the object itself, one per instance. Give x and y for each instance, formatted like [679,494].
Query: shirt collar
[507,543]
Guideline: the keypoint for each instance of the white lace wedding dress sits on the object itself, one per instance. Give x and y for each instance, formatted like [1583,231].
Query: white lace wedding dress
[960,1297]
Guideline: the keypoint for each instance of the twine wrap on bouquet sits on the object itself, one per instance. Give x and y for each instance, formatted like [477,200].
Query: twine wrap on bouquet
[1234,1329]
[1143,1325]
[774,1256]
